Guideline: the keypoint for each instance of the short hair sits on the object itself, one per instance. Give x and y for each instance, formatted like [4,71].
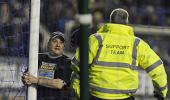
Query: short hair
[119,16]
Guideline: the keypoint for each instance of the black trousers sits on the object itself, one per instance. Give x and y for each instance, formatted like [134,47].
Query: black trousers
[95,98]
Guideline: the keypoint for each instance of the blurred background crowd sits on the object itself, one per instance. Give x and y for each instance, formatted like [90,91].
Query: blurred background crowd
[56,14]
[60,15]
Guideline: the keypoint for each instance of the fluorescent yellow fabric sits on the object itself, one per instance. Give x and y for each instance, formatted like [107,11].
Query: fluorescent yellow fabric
[148,57]
[118,82]
[118,41]
[76,86]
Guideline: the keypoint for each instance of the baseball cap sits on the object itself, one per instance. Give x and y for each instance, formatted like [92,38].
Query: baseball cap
[58,35]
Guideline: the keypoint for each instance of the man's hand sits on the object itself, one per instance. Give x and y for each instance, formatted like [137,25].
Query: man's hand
[28,79]
[56,83]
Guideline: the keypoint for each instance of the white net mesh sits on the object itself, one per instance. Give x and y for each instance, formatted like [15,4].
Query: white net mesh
[14,36]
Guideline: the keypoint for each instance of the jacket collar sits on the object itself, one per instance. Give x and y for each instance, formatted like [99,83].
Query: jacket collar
[118,29]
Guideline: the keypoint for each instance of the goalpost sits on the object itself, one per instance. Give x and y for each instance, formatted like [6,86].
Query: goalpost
[33,47]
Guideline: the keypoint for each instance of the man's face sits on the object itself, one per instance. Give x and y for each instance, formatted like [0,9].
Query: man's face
[56,46]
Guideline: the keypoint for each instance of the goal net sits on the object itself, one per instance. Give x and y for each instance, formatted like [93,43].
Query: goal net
[14,47]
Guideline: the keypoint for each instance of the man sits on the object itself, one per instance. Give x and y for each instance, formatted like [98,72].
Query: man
[115,56]
[54,71]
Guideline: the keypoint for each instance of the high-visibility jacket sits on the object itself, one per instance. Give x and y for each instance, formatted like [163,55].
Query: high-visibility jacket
[115,56]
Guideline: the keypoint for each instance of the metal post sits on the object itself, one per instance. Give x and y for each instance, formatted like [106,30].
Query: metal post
[85,20]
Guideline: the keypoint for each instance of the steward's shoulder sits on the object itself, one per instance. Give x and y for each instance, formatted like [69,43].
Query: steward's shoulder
[141,41]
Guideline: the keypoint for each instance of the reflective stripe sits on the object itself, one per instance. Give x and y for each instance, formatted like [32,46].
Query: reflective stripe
[111,91]
[75,76]
[115,64]
[153,66]
[75,61]
[160,88]
[99,38]
[111,64]
[134,52]
[157,87]
[163,88]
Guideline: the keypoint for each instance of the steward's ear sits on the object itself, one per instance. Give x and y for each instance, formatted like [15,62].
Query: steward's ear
[127,21]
